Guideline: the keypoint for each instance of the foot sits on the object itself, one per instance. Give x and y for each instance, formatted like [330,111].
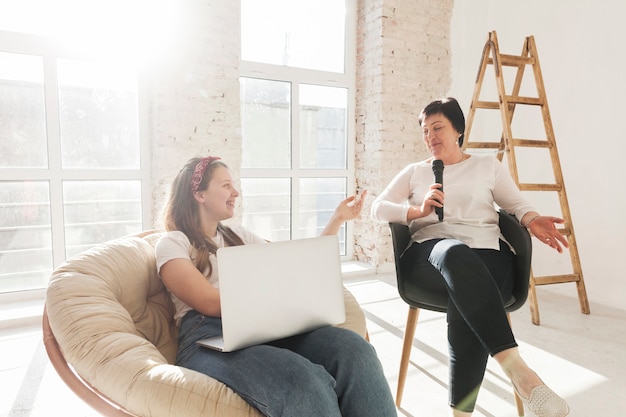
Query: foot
[544,402]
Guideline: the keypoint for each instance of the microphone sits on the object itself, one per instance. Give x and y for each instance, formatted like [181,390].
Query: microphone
[438,171]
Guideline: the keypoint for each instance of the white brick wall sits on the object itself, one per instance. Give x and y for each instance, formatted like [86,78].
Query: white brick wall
[195,95]
[403,62]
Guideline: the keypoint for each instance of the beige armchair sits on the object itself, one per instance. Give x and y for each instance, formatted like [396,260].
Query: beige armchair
[109,333]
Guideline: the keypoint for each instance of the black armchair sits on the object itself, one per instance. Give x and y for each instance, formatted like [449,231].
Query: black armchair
[417,295]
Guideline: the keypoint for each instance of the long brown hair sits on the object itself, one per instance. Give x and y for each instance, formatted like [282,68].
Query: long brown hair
[181,213]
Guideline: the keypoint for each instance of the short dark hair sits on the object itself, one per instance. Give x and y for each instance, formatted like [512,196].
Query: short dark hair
[450,108]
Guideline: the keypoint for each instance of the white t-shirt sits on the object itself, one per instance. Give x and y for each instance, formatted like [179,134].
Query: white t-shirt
[472,188]
[176,245]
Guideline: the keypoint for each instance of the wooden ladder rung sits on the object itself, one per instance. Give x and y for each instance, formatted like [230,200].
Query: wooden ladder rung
[484,145]
[565,231]
[556,279]
[491,105]
[531,143]
[513,60]
[540,187]
[533,101]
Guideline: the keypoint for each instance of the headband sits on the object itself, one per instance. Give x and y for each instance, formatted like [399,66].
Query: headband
[199,170]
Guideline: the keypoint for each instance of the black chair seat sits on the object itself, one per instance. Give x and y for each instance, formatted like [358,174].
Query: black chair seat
[431,294]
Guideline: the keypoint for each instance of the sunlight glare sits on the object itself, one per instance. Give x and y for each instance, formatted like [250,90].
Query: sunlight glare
[135,30]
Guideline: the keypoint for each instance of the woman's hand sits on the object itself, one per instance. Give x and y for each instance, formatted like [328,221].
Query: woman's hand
[348,209]
[432,199]
[544,229]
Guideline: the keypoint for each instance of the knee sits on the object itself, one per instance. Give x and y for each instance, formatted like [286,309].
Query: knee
[342,352]
[347,345]
[448,251]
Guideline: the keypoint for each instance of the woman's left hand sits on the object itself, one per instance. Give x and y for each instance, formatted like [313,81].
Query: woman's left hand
[351,207]
[544,229]
[348,209]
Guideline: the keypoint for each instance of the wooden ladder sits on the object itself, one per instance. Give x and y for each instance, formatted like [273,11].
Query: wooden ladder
[507,105]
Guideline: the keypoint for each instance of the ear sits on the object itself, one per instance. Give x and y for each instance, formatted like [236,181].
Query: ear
[199,196]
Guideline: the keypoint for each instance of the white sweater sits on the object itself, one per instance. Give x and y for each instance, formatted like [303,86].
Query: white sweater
[472,190]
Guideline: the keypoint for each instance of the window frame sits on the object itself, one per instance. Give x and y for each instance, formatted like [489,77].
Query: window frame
[51,50]
[297,76]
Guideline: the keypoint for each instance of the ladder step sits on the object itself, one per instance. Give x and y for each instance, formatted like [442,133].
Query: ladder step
[531,143]
[540,187]
[564,230]
[556,279]
[533,101]
[513,60]
[492,105]
[528,143]
[484,145]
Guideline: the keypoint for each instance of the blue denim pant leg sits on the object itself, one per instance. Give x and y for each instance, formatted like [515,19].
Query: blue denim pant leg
[361,387]
[280,381]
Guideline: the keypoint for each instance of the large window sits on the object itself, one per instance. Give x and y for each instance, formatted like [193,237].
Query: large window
[297,77]
[70,161]
[72,164]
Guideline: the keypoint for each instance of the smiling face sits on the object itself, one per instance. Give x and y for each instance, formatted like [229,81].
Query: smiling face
[441,138]
[217,200]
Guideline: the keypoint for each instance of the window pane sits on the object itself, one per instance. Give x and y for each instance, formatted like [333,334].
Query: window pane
[267,207]
[22,112]
[98,211]
[295,33]
[25,235]
[323,113]
[98,115]
[266,123]
[318,199]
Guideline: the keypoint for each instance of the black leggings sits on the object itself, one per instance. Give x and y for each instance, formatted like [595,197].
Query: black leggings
[478,326]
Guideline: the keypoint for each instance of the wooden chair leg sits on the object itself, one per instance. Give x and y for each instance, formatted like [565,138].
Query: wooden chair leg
[519,404]
[532,302]
[409,333]
[518,401]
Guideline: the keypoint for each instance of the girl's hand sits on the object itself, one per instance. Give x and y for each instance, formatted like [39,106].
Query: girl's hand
[351,207]
[348,209]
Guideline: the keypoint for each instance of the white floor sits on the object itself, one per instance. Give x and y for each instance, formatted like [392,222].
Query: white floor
[582,357]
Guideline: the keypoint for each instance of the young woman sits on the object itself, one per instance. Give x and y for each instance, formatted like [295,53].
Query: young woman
[467,249]
[328,372]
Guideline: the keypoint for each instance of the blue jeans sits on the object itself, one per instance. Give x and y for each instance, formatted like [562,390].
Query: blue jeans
[329,372]
[478,326]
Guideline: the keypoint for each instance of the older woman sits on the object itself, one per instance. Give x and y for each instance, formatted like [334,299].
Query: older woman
[466,247]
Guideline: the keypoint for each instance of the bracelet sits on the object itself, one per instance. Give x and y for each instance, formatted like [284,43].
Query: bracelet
[531,220]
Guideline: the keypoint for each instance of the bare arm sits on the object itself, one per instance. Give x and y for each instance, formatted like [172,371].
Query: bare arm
[348,209]
[183,279]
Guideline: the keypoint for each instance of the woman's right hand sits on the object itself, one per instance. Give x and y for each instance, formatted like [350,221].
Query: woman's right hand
[432,199]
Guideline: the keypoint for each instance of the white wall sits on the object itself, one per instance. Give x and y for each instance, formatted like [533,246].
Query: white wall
[581,51]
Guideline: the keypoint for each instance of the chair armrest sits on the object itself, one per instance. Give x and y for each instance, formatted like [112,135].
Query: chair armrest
[519,238]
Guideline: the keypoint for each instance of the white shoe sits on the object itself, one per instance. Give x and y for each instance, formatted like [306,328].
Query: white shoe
[544,402]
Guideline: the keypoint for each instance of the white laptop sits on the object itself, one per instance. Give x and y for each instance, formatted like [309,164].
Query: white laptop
[275,290]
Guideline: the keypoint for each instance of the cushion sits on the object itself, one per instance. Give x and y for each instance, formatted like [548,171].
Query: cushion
[112,318]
